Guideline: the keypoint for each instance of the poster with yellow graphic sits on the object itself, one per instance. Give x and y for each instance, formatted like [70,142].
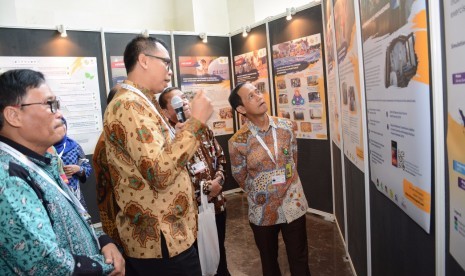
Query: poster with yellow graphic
[334,99]
[349,81]
[211,75]
[454,16]
[396,64]
[74,80]
[253,67]
[299,80]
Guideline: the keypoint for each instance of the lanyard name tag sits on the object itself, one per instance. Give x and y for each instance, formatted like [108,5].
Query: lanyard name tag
[279,177]
[198,167]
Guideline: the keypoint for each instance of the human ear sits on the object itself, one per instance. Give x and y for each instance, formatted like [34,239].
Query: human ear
[241,110]
[12,116]
[143,60]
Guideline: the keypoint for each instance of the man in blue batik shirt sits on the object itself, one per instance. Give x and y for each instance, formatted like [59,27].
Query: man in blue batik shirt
[44,229]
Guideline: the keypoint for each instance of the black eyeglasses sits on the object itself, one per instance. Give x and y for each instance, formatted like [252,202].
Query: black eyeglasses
[166,61]
[54,105]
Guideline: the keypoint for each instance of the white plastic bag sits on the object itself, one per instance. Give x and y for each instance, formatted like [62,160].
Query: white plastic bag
[207,237]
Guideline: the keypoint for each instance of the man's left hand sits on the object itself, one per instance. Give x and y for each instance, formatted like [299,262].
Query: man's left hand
[113,256]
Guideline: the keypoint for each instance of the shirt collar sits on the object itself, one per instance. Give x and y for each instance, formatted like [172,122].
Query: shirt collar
[147,92]
[254,129]
[26,151]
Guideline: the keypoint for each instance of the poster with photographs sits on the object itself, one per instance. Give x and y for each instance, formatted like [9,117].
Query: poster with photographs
[395,43]
[299,80]
[455,55]
[334,100]
[211,75]
[253,67]
[118,70]
[74,81]
[349,81]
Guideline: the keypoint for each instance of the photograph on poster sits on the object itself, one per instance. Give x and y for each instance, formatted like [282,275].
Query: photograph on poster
[281,84]
[250,62]
[298,115]
[312,80]
[284,114]
[226,113]
[314,97]
[219,124]
[295,82]
[381,17]
[401,61]
[306,127]
[261,86]
[352,103]
[315,113]
[282,99]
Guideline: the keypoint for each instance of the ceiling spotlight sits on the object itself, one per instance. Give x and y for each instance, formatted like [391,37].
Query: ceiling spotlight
[145,33]
[204,37]
[245,31]
[62,30]
[290,12]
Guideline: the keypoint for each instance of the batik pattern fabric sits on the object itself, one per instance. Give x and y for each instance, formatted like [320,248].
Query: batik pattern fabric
[253,169]
[76,156]
[106,202]
[212,155]
[150,182]
[41,231]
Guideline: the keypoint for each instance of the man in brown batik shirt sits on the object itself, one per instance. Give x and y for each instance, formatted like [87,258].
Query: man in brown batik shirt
[206,166]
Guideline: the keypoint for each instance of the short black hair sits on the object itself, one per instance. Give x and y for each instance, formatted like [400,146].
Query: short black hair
[137,46]
[162,98]
[234,98]
[14,85]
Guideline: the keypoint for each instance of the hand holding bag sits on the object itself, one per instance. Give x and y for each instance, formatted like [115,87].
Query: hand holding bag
[207,237]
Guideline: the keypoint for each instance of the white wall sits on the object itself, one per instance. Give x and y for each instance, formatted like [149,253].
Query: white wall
[93,14]
[211,16]
[241,13]
[184,14]
[264,9]
[7,12]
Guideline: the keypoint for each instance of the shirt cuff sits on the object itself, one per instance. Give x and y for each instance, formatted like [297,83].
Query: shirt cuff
[104,240]
[86,266]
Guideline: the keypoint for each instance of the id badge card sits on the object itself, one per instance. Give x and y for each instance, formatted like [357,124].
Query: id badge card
[288,170]
[198,167]
[279,177]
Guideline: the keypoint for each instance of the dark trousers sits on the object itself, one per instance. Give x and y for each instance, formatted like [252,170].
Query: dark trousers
[221,228]
[185,264]
[295,238]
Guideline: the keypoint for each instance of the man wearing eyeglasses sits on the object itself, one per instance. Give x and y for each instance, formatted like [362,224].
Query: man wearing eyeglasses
[44,229]
[157,221]
[264,163]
